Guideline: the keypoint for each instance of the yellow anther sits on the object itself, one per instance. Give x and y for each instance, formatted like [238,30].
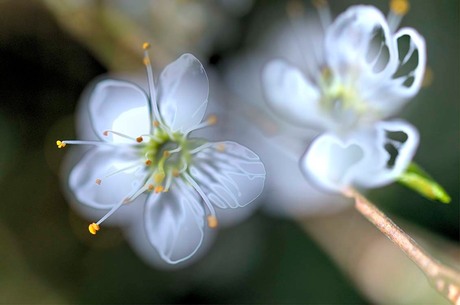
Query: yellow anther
[399,7]
[93,228]
[148,162]
[212,221]
[159,189]
[146,46]
[158,177]
[150,187]
[166,153]
[139,139]
[319,3]
[156,123]
[98,181]
[212,119]
[220,147]
[175,172]
[60,144]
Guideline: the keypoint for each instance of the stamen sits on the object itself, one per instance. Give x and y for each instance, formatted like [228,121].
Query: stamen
[93,228]
[200,148]
[324,13]
[109,213]
[98,181]
[60,144]
[151,83]
[150,187]
[159,188]
[212,221]
[169,178]
[139,139]
[295,8]
[175,172]
[428,77]
[156,123]
[220,147]
[159,177]
[203,195]
[399,7]
[211,120]
[106,133]
[148,162]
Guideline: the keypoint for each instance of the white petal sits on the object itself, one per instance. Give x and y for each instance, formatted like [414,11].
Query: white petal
[183,93]
[230,174]
[331,163]
[174,222]
[119,106]
[291,95]
[359,41]
[96,164]
[376,170]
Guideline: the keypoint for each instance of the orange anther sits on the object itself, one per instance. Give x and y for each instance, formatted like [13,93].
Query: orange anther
[212,221]
[98,181]
[93,228]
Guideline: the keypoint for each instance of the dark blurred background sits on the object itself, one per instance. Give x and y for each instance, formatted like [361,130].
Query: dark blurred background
[50,50]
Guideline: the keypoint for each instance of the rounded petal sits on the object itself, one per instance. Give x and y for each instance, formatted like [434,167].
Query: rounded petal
[359,41]
[108,191]
[291,95]
[394,145]
[119,106]
[332,163]
[183,93]
[230,174]
[174,222]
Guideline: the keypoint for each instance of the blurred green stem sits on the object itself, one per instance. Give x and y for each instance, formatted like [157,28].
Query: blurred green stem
[444,279]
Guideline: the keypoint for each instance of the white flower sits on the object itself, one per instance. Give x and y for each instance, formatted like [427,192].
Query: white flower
[364,73]
[145,154]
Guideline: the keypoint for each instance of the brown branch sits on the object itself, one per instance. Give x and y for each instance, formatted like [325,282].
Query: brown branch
[443,278]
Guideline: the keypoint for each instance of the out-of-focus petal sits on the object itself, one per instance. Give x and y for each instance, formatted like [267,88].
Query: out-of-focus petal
[119,106]
[230,174]
[99,163]
[291,95]
[183,93]
[174,222]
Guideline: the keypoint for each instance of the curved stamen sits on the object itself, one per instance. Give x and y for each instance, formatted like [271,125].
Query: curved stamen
[211,120]
[151,85]
[62,144]
[212,219]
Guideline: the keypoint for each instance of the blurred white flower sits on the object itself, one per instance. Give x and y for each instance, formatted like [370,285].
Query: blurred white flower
[364,73]
[145,154]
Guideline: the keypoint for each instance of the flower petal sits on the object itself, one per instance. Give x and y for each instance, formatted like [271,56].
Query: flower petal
[174,222]
[230,174]
[119,106]
[183,93]
[359,42]
[291,95]
[96,164]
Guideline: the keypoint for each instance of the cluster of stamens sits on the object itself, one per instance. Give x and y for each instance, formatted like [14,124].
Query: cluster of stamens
[165,155]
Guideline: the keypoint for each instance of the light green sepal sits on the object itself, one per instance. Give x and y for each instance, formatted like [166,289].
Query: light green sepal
[417,179]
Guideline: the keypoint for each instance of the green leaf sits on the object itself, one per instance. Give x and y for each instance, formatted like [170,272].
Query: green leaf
[418,180]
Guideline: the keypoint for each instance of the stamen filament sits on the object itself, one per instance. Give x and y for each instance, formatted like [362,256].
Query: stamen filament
[62,144]
[106,133]
[109,213]
[151,84]
[211,120]
[212,219]
[200,148]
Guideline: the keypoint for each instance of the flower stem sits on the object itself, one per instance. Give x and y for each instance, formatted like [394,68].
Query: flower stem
[443,278]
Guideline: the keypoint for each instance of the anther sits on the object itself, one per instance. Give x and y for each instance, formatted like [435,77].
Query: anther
[295,8]
[399,7]
[159,189]
[146,46]
[148,162]
[98,181]
[105,133]
[220,147]
[319,3]
[175,172]
[93,228]
[139,139]
[150,187]
[212,221]
[212,119]
[166,154]
[156,123]
[60,144]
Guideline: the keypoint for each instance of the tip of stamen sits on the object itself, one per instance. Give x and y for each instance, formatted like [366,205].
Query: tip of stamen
[159,189]
[220,147]
[106,133]
[295,8]
[139,139]
[212,221]
[212,119]
[399,7]
[166,153]
[93,228]
[60,144]
[156,123]
[150,187]
[148,162]
[146,46]
[319,3]
[175,172]
[98,181]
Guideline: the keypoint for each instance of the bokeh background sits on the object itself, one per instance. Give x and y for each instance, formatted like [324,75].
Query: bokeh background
[50,50]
